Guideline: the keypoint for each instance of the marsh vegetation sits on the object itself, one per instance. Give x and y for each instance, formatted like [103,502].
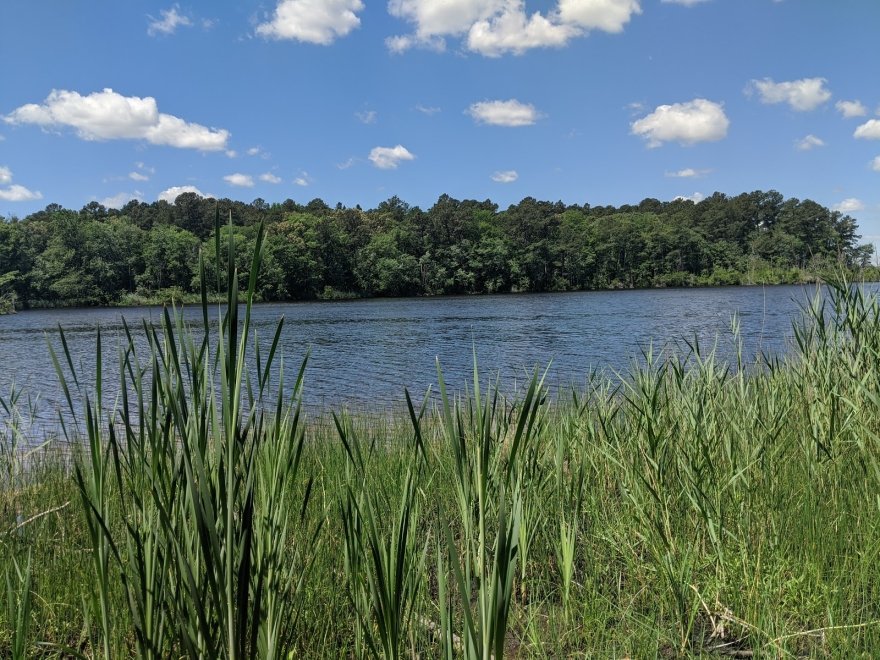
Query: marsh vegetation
[693,506]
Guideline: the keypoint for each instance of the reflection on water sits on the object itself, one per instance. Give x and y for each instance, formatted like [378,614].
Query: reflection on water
[364,352]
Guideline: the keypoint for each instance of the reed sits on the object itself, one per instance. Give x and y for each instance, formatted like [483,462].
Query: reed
[688,508]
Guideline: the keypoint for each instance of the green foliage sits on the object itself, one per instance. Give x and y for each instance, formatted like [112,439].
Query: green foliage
[7,292]
[689,508]
[98,256]
[18,607]
[169,256]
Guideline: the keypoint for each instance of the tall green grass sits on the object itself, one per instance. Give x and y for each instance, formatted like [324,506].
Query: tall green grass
[689,508]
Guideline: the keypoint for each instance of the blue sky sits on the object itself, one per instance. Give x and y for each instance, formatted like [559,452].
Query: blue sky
[353,101]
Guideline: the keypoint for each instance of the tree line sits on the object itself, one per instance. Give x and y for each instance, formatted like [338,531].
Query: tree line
[146,252]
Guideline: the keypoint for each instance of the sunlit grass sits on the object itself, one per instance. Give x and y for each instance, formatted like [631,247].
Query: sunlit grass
[688,508]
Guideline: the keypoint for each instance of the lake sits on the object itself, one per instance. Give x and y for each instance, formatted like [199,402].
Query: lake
[363,353]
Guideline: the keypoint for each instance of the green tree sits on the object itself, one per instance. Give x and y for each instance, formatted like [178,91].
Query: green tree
[382,269]
[170,259]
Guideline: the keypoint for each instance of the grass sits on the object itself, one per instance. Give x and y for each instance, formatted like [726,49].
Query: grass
[689,508]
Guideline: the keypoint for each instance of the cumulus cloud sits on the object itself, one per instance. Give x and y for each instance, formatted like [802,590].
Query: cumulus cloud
[435,19]
[808,143]
[801,95]
[388,158]
[240,180]
[688,173]
[686,3]
[268,177]
[346,164]
[403,42]
[687,123]
[696,198]
[514,32]
[495,27]
[312,21]
[427,110]
[870,130]
[850,205]
[141,173]
[504,113]
[606,15]
[367,116]
[17,193]
[303,179]
[875,164]
[851,108]
[505,176]
[119,200]
[170,194]
[107,115]
[169,21]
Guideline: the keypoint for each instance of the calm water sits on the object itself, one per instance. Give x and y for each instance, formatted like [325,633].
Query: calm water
[368,351]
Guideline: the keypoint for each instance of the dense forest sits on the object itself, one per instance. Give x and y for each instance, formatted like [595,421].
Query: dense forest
[149,252]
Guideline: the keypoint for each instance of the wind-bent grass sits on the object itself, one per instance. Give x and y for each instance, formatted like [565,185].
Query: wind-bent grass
[688,508]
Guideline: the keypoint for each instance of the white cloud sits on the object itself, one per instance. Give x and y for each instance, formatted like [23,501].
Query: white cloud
[606,15]
[851,108]
[870,130]
[240,180]
[313,21]
[170,194]
[345,165]
[505,176]
[231,153]
[403,42]
[107,115]
[875,164]
[451,17]
[514,32]
[696,198]
[168,24]
[399,43]
[268,177]
[687,123]
[388,158]
[635,108]
[494,27]
[137,176]
[504,113]
[367,116]
[808,143]
[850,205]
[688,173]
[801,95]
[254,151]
[303,179]
[17,193]
[686,3]
[119,200]
[427,110]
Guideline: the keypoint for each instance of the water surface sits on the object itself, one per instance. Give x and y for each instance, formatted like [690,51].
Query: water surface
[364,352]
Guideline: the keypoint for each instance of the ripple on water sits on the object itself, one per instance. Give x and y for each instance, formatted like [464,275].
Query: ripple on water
[365,352]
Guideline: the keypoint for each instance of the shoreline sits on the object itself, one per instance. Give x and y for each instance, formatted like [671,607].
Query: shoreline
[193,300]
